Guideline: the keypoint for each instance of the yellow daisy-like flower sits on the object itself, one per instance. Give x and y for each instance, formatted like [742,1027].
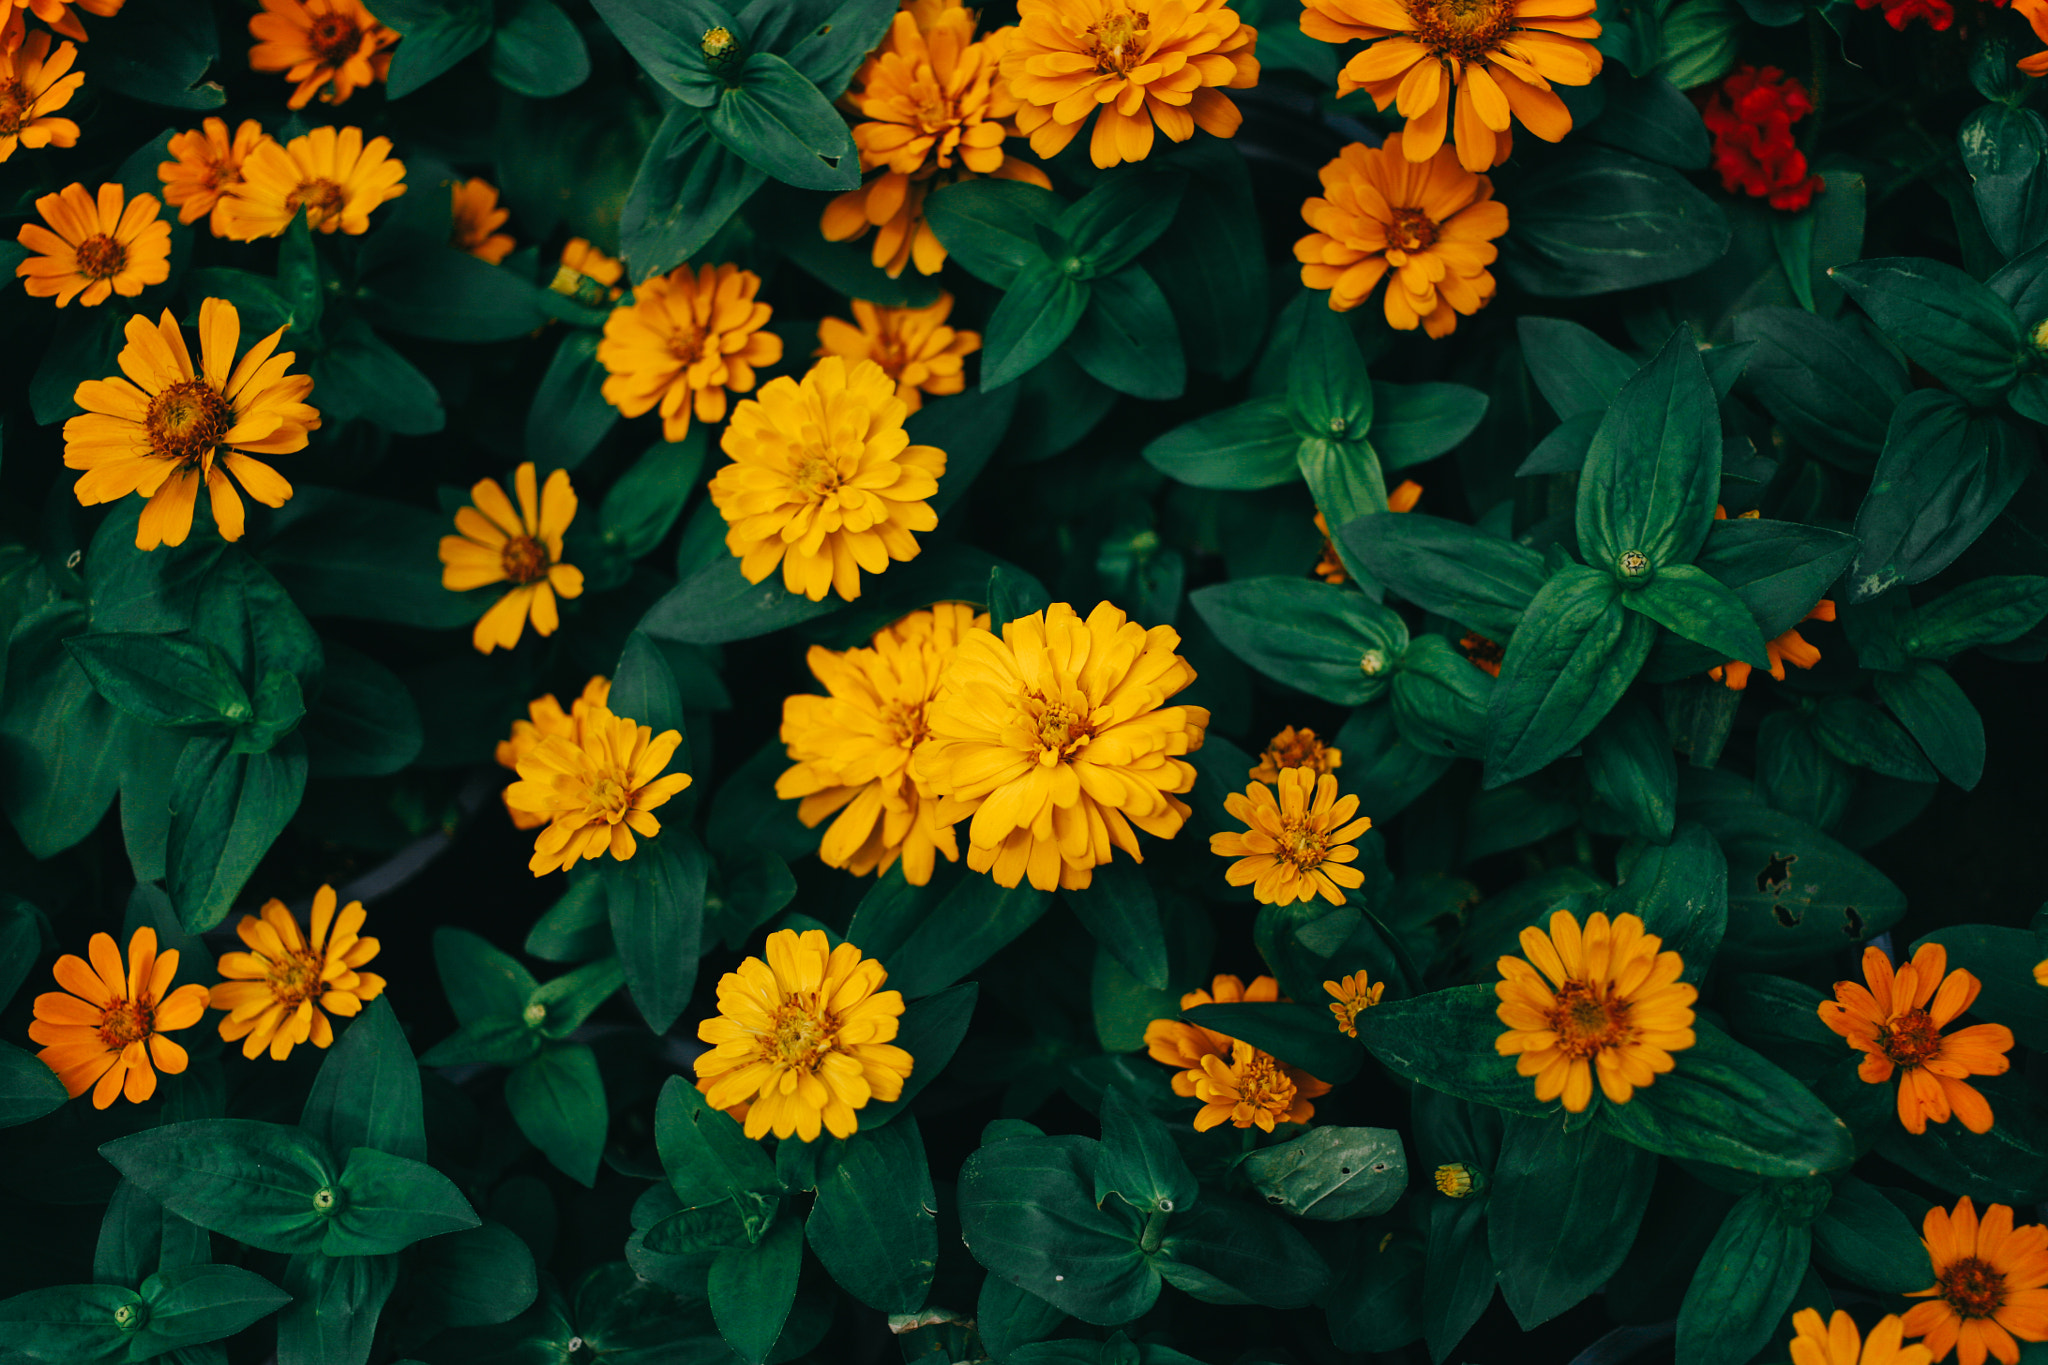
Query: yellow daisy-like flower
[683,341]
[803,1039]
[1990,1284]
[596,789]
[476,219]
[1456,1180]
[1354,994]
[317,41]
[1297,846]
[168,427]
[34,85]
[547,718]
[93,247]
[1182,1046]
[1134,65]
[336,177]
[106,1028]
[852,747]
[1895,1018]
[1837,1342]
[56,14]
[1612,1003]
[1236,1082]
[823,480]
[279,993]
[208,163]
[586,274]
[913,346]
[523,547]
[1293,748]
[1494,59]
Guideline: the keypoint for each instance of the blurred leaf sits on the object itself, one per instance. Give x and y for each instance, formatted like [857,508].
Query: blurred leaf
[537,51]
[1604,220]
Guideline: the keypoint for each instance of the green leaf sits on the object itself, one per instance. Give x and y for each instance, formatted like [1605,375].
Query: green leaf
[1007,1318]
[1027,1212]
[251,1181]
[557,1099]
[1441,700]
[1348,485]
[1863,1237]
[1332,1174]
[2002,960]
[433,47]
[1444,1040]
[363,722]
[1680,891]
[161,56]
[990,226]
[472,1279]
[1299,1034]
[1039,310]
[643,504]
[1138,1160]
[1945,473]
[875,1223]
[1127,337]
[138,1237]
[831,52]
[689,185]
[1576,653]
[166,680]
[1562,1212]
[1651,118]
[28,1089]
[752,1289]
[1830,386]
[358,375]
[1327,384]
[1374,1305]
[1988,611]
[1577,371]
[226,810]
[931,1032]
[450,295]
[716,605]
[194,1304]
[1232,1253]
[481,982]
[1780,569]
[656,903]
[1689,602]
[976,920]
[1631,766]
[569,999]
[1744,1284]
[336,1301]
[1107,227]
[708,1157]
[1700,42]
[666,38]
[72,1322]
[537,51]
[367,1092]
[1603,220]
[63,746]
[343,554]
[1653,472]
[779,122]
[2008,1165]
[1211,263]
[386,1203]
[1416,422]
[1330,642]
[1796,775]
[1119,909]
[1956,328]
[1940,718]
[1861,735]
[2002,147]
[1482,581]
[569,415]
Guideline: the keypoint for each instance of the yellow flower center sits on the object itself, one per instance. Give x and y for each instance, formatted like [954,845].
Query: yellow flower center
[1304,842]
[524,560]
[1062,731]
[1586,1019]
[187,420]
[801,1036]
[903,722]
[1262,1084]
[1117,42]
[100,257]
[610,799]
[686,347]
[1412,230]
[817,477]
[295,977]
[14,107]
[1463,30]
[1911,1039]
[1454,1180]
[125,1022]
[1972,1287]
[321,199]
[334,38]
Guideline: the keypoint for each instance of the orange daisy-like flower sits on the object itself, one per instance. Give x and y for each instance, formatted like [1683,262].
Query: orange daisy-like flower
[476,220]
[55,14]
[1293,748]
[208,164]
[1426,220]
[317,41]
[1897,1022]
[1236,1082]
[586,274]
[336,177]
[913,346]
[280,992]
[1989,1280]
[1354,994]
[34,85]
[109,1028]
[93,249]
[1134,64]
[1839,1343]
[1612,1003]
[1789,648]
[168,427]
[596,789]
[1294,847]
[683,341]
[498,544]
[1494,59]
[548,718]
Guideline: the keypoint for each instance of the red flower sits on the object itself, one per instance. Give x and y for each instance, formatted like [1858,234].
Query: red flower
[1751,118]
[1899,13]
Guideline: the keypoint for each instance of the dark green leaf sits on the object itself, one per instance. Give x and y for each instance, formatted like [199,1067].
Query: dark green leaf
[1444,1040]
[989,226]
[1575,370]
[1127,337]
[1945,473]
[1478,580]
[1441,700]
[1744,1284]
[1562,1210]
[367,1092]
[1416,422]
[1038,312]
[254,1182]
[752,1289]
[1119,909]
[1829,385]
[1298,1034]
[1027,1212]
[1228,1252]
[1576,653]
[386,1203]
[194,1304]
[434,47]
[1861,735]
[1138,1161]
[1989,611]
[1692,604]
[1937,714]
[538,52]
[336,1301]
[1955,327]
[160,55]
[1327,384]
[363,723]
[28,1089]
[1680,891]
[656,903]
[976,920]
[1863,1237]
[689,185]
[1653,472]
[1330,642]
[709,1158]
[167,680]
[558,1101]
[226,810]
[875,1224]
[473,1279]
[569,415]
[931,1032]
[1107,227]
[1604,220]
[343,554]
[1249,446]
[72,1322]
[779,122]
[1631,766]
[1331,1173]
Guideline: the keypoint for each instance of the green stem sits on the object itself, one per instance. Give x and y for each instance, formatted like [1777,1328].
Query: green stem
[1155,1231]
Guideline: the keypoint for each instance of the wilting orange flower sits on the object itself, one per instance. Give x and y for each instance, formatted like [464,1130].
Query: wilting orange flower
[1896,1021]
[56,14]
[683,341]
[476,218]
[280,992]
[1497,57]
[523,547]
[1426,220]
[1294,847]
[1485,654]
[208,163]
[596,789]
[548,718]
[95,248]
[336,177]
[1988,1284]
[1789,648]
[586,274]
[913,346]
[1293,748]
[168,426]
[1236,1082]
[1839,1343]
[34,85]
[317,41]
[1133,64]
[1354,994]
[110,1026]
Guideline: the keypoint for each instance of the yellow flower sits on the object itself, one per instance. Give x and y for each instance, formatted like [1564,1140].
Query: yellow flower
[803,1039]
[1456,1180]
[1296,847]
[336,177]
[1133,64]
[476,218]
[1788,648]
[586,274]
[110,1026]
[317,41]
[913,346]
[595,789]
[548,718]
[1056,739]
[1354,995]
[1293,748]
[497,544]
[1895,1018]
[1837,1342]
[1235,1081]
[95,248]
[683,341]
[33,86]
[167,426]
[56,14]
[208,163]
[1497,57]
[1613,1003]
[1990,1284]
[823,480]
[279,993]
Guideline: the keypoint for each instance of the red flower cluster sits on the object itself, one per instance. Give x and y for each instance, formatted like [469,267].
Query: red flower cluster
[1899,13]
[1751,118]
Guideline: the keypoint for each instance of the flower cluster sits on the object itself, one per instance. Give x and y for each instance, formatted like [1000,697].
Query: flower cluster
[1237,1083]
[1751,116]
[1936,14]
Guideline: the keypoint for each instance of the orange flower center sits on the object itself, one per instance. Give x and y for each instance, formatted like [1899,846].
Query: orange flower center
[321,199]
[187,420]
[904,724]
[1463,30]
[14,107]
[1972,1287]
[100,257]
[1586,1019]
[1302,750]
[524,560]
[686,347]
[817,478]
[1263,1084]
[1303,843]
[801,1036]
[334,38]
[1911,1039]
[1412,229]
[1117,42]
[125,1022]
[1062,732]
[295,978]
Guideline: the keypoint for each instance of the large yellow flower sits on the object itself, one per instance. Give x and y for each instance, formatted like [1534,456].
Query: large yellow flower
[1896,1022]
[803,1039]
[94,247]
[55,13]
[823,480]
[914,346]
[1498,59]
[1837,1342]
[1612,1003]
[317,41]
[1990,1284]
[336,177]
[1134,65]
[475,219]
[523,547]
[280,992]
[1294,847]
[208,163]
[109,1028]
[683,341]
[168,426]
[1056,739]
[548,718]
[596,789]
[1236,1082]
[852,747]
[34,85]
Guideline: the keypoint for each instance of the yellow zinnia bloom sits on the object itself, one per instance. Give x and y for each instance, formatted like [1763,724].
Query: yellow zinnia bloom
[586,274]
[1612,1003]
[683,341]
[1133,64]
[56,14]
[1788,648]
[548,718]
[94,248]
[275,993]
[476,218]
[1236,1082]
[1293,748]
[208,164]
[336,177]
[595,789]
[317,41]
[852,747]
[109,1028]
[1895,1018]
[1837,1342]
[34,85]
[1056,739]
[1354,995]
[167,426]
[913,346]
[1294,847]
[1990,1284]
[523,547]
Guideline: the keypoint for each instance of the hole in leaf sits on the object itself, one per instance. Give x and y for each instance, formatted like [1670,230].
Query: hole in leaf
[1343,1170]
[1788,917]
[1777,872]
[1852,923]
[1379,1166]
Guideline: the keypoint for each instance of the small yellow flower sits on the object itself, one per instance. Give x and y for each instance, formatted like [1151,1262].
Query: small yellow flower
[803,1039]
[336,177]
[683,341]
[475,219]
[548,718]
[1354,995]
[34,85]
[1990,1284]
[913,346]
[586,274]
[94,247]
[314,42]
[1456,1180]
[279,993]
[1788,648]
[596,789]
[208,163]
[1237,1083]
[1837,1342]
[107,1025]
[1293,748]
[1297,846]
[56,14]
[523,547]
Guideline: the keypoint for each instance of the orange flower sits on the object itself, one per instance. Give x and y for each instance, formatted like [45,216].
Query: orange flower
[913,346]
[33,87]
[586,274]
[1988,1284]
[2036,12]
[1293,748]
[1837,1342]
[55,14]
[476,220]
[1297,845]
[1484,653]
[1897,1024]
[317,41]
[683,342]
[548,718]
[114,245]
[1791,647]
[1354,994]
[335,176]
[1236,1082]
[1182,1045]
[208,164]
[110,1026]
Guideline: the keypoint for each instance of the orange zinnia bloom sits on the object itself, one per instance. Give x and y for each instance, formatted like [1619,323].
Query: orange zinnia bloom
[1989,1280]
[110,1026]
[1236,1082]
[208,165]
[1495,59]
[913,346]
[476,219]
[1789,648]
[1297,845]
[55,14]
[335,176]
[279,993]
[1837,1342]
[95,248]
[1293,748]
[2036,12]
[33,87]
[1354,994]
[586,274]
[317,41]
[684,340]
[1484,654]
[1897,1024]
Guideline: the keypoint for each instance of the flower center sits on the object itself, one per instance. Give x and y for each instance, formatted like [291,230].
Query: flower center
[1972,1288]
[295,978]
[903,722]
[801,1035]
[686,347]
[14,107]
[1586,1020]
[1911,1039]
[1462,30]
[1262,1084]
[334,38]
[100,257]
[1412,229]
[1062,731]
[320,198]
[609,798]
[524,560]
[1117,42]
[125,1022]
[1303,843]
[187,420]
[817,477]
